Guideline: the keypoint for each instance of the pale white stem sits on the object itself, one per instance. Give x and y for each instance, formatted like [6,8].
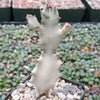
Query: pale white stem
[50,35]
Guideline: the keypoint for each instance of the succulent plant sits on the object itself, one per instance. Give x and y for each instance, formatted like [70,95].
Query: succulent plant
[47,70]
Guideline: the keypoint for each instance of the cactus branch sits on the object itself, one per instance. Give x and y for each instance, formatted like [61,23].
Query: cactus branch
[32,20]
[65,29]
[47,70]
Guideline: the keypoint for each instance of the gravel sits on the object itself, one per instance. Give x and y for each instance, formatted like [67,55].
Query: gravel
[61,91]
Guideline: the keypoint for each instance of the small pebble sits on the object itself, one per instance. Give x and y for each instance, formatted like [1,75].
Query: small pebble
[53,93]
[87,94]
[7,90]
[33,98]
[27,95]
[29,84]
[21,95]
[65,92]
[78,97]
[56,98]
[14,93]
[21,90]
[66,98]
[25,72]
[14,73]
[0,94]
[22,75]
[26,67]
[27,90]
[63,81]
[26,98]
[22,85]
[86,88]
[79,93]
[63,84]
[70,97]
[72,92]
[75,95]
[51,97]
[62,96]
[16,97]
[59,89]
[80,87]
[86,91]
[11,75]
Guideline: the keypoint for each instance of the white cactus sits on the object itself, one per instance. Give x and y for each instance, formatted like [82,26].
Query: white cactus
[47,71]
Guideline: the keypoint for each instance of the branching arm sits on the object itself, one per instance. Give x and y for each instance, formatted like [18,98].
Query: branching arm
[65,29]
[32,20]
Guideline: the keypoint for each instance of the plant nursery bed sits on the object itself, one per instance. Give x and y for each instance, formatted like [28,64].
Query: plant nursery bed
[64,89]
[93,10]
[79,51]
[5,14]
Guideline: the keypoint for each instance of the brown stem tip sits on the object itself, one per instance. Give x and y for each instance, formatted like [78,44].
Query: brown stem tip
[68,25]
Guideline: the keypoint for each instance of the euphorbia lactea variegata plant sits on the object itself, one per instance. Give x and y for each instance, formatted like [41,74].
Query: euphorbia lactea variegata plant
[46,72]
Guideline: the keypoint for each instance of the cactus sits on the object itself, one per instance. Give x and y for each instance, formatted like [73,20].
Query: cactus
[47,70]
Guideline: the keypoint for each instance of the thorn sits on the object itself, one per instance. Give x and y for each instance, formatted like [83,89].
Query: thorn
[41,21]
[59,17]
[49,6]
